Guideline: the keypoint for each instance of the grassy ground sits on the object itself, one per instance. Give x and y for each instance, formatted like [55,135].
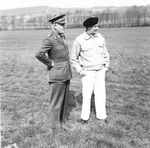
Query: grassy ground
[25,104]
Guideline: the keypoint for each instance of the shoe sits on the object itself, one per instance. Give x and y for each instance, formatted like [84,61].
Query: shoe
[65,126]
[106,121]
[103,120]
[84,121]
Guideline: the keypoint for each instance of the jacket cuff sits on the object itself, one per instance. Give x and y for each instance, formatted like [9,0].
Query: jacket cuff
[50,63]
[79,70]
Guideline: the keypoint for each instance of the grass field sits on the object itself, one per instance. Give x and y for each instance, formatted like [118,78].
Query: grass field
[25,104]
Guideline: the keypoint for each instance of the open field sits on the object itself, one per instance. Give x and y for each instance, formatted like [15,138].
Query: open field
[25,104]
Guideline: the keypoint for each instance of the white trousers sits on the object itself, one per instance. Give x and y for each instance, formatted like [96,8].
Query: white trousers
[94,81]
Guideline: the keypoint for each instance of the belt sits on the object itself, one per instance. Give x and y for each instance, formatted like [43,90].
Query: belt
[61,64]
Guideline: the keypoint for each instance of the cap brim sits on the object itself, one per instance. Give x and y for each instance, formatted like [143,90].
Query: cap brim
[55,18]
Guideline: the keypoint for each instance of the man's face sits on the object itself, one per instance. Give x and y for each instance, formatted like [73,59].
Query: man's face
[60,28]
[93,29]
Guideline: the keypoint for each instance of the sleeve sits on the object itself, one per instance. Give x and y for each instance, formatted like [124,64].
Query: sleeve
[74,56]
[42,53]
[106,56]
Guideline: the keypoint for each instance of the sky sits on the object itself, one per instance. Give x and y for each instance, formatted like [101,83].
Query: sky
[9,4]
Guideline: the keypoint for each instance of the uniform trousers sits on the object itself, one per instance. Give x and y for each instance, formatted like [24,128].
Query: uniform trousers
[94,82]
[59,94]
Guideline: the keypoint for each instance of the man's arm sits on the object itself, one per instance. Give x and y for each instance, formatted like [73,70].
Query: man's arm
[106,56]
[42,53]
[74,57]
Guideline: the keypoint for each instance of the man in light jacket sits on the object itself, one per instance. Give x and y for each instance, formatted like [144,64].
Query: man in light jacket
[90,58]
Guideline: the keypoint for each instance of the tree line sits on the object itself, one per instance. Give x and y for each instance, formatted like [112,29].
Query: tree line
[134,16]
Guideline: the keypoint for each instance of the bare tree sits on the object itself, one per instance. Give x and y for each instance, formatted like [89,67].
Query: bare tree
[13,22]
[48,16]
[144,13]
[21,22]
[115,18]
[68,14]
[41,21]
[78,18]
[4,22]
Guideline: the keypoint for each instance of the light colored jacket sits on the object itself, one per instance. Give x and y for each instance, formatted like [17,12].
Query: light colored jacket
[89,53]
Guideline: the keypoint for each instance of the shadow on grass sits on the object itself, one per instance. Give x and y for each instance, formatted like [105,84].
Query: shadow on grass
[72,101]
[75,102]
[79,101]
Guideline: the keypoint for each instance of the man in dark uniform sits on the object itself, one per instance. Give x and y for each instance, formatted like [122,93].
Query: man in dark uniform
[54,54]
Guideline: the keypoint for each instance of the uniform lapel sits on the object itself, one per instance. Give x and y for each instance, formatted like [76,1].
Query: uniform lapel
[59,39]
[66,46]
[62,41]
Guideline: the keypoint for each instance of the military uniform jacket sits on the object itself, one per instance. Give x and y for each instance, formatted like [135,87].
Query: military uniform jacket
[55,49]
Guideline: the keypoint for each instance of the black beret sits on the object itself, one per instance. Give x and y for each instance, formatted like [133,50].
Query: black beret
[90,22]
[58,19]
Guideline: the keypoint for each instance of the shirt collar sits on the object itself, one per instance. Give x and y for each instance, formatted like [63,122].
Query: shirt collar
[86,36]
[59,39]
[56,37]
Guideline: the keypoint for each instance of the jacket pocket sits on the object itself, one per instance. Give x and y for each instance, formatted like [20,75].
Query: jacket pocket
[60,71]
